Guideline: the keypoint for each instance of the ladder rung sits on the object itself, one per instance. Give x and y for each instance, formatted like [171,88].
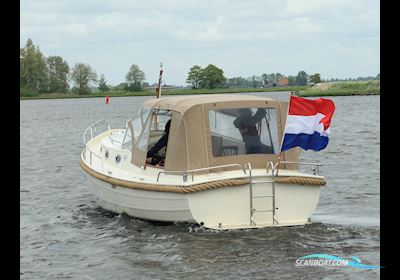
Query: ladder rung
[255,211]
[260,182]
[263,196]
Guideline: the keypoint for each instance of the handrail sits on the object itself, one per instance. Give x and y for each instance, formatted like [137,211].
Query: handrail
[248,167]
[273,167]
[101,122]
[186,173]
[314,168]
[300,162]
[126,131]
[90,157]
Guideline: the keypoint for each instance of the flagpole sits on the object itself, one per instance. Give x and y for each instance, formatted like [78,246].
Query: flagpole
[287,113]
[283,135]
[158,95]
[158,90]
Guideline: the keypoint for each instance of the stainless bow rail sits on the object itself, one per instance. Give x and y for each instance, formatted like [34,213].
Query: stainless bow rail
[185,174]
[314,166]
[93,129]
[125,134]
[90,157]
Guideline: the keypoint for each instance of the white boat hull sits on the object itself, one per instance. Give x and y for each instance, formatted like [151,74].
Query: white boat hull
[221,208]
[229,208]
[156,206]
[218,204]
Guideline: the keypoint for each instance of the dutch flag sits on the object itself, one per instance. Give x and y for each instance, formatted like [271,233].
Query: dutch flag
[307,123]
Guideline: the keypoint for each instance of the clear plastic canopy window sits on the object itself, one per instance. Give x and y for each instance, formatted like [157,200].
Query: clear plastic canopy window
[141,127]
[243,131]
[146,120]
[160,119]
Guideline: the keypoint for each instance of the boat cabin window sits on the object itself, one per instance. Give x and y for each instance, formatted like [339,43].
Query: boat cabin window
[241,131]
[158,138]
[160,119]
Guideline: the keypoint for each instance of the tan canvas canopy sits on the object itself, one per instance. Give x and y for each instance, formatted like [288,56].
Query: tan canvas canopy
[190,140]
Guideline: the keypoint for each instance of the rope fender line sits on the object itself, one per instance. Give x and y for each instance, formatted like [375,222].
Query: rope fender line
[164,188]
[196,187]
[301,181]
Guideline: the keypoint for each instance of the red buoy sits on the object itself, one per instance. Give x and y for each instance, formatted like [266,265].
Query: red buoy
[107,98]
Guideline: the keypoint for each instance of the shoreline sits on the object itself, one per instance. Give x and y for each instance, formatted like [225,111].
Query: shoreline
[300,91]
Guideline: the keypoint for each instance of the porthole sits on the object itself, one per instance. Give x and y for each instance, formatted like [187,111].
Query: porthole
[117,158]
[107,154]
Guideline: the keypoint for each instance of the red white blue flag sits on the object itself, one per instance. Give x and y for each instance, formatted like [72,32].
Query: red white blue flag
[307,123]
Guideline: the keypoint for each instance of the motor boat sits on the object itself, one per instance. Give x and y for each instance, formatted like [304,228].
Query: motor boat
[210,172]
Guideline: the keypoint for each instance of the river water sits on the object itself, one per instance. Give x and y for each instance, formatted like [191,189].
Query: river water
[65,235]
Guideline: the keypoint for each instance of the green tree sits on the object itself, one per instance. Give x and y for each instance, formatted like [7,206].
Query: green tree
[103,84]
[135,77]
[272,78]
[255,81]
[278,76]
[292,80]
[58,71]
[33,69]
[301,78]
[42,72]
[195,76]
[264,78]
[213,77]
[237,82]
[82,75]
[316,78]
[275,77]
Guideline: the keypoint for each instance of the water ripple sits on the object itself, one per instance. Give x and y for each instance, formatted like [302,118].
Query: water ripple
[65,235]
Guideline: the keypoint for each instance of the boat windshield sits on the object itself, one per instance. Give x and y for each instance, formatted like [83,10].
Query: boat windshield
[243,131]
[141,127]
[160,119]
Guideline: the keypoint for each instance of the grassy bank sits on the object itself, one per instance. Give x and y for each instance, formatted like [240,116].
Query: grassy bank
[324,89]
[343,88]
[164,92]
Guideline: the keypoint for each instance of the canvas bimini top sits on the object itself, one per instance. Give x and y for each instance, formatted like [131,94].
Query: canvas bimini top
[213,130]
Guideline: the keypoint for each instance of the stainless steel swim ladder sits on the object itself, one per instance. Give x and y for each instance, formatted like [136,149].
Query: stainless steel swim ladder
[270,165]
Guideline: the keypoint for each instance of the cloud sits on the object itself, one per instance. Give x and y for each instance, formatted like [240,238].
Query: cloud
[242,37]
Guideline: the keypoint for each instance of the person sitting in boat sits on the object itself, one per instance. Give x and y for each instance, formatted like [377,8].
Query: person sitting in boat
[152,157]
[246,123]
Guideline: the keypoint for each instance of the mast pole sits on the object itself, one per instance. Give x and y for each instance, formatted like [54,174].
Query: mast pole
[158,90]
[158,95]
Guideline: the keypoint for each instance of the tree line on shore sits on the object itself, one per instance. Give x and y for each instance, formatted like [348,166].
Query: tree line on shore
[40,74]
[212,77]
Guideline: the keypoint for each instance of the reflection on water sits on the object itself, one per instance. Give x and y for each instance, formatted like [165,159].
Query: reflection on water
[64,234]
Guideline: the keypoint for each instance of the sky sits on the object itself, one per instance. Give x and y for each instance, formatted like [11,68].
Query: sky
[336,38]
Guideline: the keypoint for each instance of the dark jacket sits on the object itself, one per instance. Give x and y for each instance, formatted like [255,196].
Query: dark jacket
[161,143]
[246,123]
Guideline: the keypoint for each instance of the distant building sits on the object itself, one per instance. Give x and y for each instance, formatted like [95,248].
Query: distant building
[283,82]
